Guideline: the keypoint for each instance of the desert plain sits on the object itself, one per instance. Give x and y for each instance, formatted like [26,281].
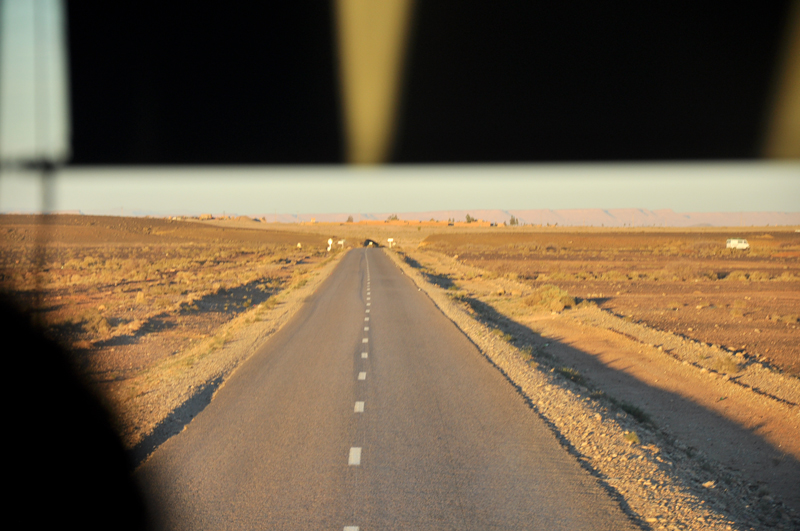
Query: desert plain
[694,343]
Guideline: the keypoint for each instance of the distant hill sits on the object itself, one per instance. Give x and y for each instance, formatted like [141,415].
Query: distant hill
[593,217]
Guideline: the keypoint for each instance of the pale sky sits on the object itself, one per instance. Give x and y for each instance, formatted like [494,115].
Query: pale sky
[700,187]
[33,81]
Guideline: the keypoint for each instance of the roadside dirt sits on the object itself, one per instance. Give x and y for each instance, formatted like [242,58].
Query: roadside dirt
[735,415]
[672,378]
[157,313]
[686,282]
[742,430]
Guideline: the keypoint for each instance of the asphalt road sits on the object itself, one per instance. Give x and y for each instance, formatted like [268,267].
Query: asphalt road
[371,410]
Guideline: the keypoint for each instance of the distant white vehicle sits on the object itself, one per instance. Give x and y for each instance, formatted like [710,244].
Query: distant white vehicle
[737,243]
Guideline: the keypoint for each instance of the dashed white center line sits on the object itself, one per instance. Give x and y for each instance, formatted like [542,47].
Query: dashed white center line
[351,528]
[369,303]
[366,329]
[364,355]
[359,407]
[367,311]
[365,340]
[362,376]
[355,456]
[366,318]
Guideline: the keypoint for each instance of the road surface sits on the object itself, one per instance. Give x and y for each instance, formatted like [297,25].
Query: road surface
[370,410]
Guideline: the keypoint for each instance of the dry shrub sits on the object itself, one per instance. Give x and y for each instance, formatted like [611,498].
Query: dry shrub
[737,275]
[558,305]
[727,365]
[526,353]
[678,274]
[662,274]
[551,297]
[631,437]
[560,275]
[571,374]
[614,276]
[760,276]
[508,338]
[95,324]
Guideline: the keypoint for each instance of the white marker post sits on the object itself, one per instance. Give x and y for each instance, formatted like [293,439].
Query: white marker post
[391,242]
[330,242]
[354,459]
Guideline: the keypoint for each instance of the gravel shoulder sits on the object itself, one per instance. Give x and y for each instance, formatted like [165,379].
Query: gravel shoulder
[615,420]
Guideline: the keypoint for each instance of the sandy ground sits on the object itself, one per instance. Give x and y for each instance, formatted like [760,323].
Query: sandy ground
[665,461]
[651,354]
[742,426]
[157,313]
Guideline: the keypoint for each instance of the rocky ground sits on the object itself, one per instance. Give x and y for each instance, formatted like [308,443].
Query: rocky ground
[157,313]
[666,453]
[164,399]
[685,428]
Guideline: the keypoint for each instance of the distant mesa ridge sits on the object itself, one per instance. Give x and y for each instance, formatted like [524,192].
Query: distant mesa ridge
[591,217]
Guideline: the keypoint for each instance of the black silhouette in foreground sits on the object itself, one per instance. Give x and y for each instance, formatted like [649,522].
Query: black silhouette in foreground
[69,467]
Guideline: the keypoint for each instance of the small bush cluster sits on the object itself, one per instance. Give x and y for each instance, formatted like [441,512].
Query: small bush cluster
[634,411]
[95,323]
[508,338]
[631,437]
[571,374]
[551,297]
[526,353]
[727,365]
[737,275]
